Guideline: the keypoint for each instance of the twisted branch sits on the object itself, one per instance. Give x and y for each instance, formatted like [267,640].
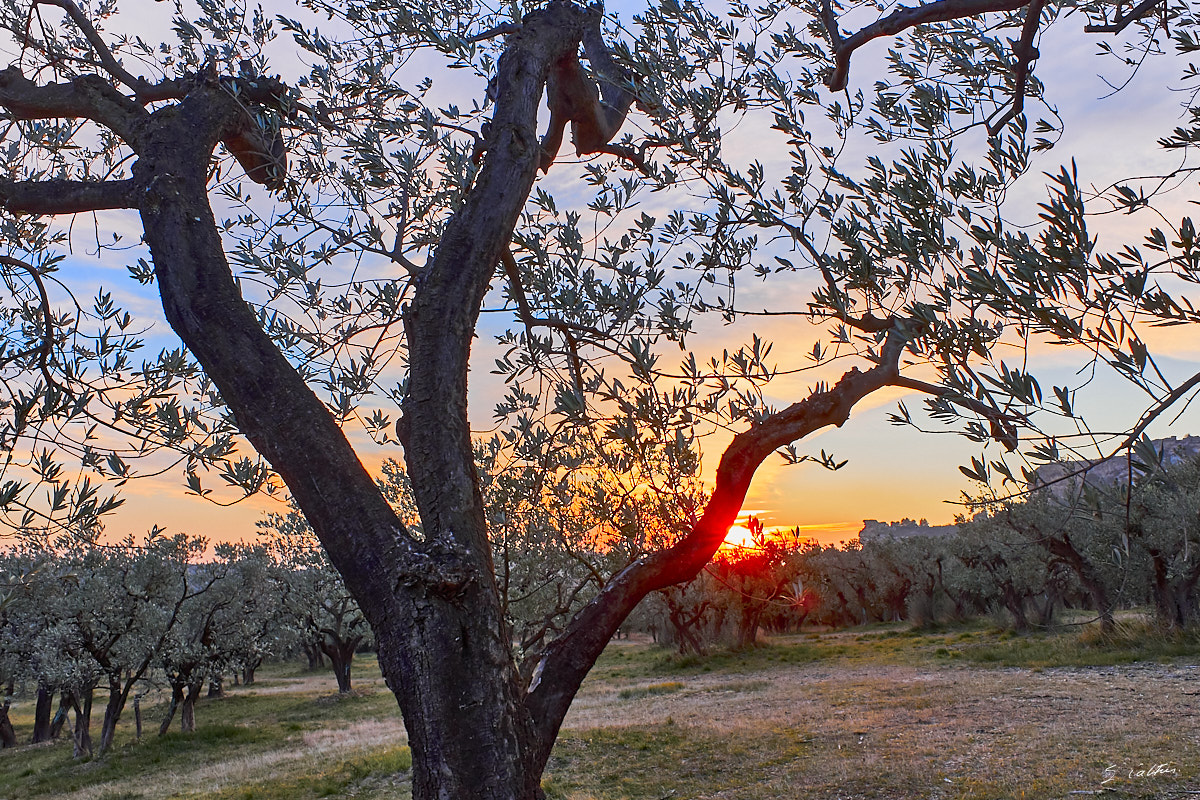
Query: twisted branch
[45,348]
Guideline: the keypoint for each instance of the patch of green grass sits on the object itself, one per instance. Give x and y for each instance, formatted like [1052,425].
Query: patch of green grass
[379,774]
[1129,642]
[740,686]
[641,763]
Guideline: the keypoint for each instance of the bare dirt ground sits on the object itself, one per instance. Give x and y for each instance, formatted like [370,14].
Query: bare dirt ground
[942,731]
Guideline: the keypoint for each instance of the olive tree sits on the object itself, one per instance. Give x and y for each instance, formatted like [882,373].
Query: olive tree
[1162,520]
[314,598]
[229,621]
[369,223]
[1003,569]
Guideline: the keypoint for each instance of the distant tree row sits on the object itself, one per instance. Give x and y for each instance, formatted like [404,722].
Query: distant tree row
[79,618]
[1076,545]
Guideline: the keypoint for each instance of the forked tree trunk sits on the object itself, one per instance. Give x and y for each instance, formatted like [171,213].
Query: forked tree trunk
[1015,603]
[62,716]
[1093,584]
[187,714]
[316,659]
[112,715]
[82,706]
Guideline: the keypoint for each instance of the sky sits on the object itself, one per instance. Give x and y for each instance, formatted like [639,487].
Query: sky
[891,472]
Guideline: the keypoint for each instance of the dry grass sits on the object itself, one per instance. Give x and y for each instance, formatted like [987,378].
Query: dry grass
[848,730]
[839,717]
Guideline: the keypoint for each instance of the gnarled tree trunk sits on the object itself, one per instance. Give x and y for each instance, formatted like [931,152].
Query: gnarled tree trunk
[341,656]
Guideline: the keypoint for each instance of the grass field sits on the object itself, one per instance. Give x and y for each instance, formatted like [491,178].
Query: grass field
[883,712]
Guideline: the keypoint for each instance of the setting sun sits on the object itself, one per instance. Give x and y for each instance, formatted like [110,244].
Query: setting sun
[739,536]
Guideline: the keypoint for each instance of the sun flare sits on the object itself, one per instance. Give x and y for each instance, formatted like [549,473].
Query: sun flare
[738,538]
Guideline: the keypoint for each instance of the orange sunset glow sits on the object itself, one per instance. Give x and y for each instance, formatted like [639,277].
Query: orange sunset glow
[739,537]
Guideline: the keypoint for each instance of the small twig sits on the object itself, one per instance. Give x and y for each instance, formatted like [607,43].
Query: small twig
[102,51]
[491,33]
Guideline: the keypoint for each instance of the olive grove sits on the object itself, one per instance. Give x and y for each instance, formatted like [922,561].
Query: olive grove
[329,229]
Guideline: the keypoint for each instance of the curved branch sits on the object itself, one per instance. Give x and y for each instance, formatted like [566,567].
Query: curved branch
[1125,20]
[897,21]
[44,348]
[561,670]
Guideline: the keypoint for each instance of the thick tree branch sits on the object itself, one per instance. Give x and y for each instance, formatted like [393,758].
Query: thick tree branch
[500,30]
[452,284]
[65,197]
[1125,20]
[946,10]
[897,21]
[1025,53]
[86,97]
[616,91]
[105,55]
[595,117]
